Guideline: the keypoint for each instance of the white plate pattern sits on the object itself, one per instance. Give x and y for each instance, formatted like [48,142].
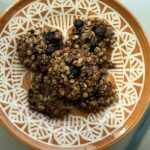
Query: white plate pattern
[129,75]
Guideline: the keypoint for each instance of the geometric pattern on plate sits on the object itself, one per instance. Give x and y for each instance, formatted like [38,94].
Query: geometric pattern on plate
[129,75]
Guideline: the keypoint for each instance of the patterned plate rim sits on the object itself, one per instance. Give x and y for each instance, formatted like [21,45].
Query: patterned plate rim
[139,110]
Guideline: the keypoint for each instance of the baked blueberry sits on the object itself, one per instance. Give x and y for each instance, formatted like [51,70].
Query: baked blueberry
[78,23]
[50,37]
[75,71]
[50,49]
[100,31]
[92,43]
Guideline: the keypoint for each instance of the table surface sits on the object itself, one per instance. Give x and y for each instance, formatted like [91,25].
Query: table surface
[135,140]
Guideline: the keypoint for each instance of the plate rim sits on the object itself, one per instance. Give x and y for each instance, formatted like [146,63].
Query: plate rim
[25,139]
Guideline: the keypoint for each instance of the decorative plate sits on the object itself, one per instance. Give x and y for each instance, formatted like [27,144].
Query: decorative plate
[75,131]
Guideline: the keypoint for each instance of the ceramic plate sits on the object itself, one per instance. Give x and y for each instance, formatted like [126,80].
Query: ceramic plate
[75,131]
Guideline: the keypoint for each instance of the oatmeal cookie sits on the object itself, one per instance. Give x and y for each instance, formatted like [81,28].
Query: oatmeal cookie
[36,46]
